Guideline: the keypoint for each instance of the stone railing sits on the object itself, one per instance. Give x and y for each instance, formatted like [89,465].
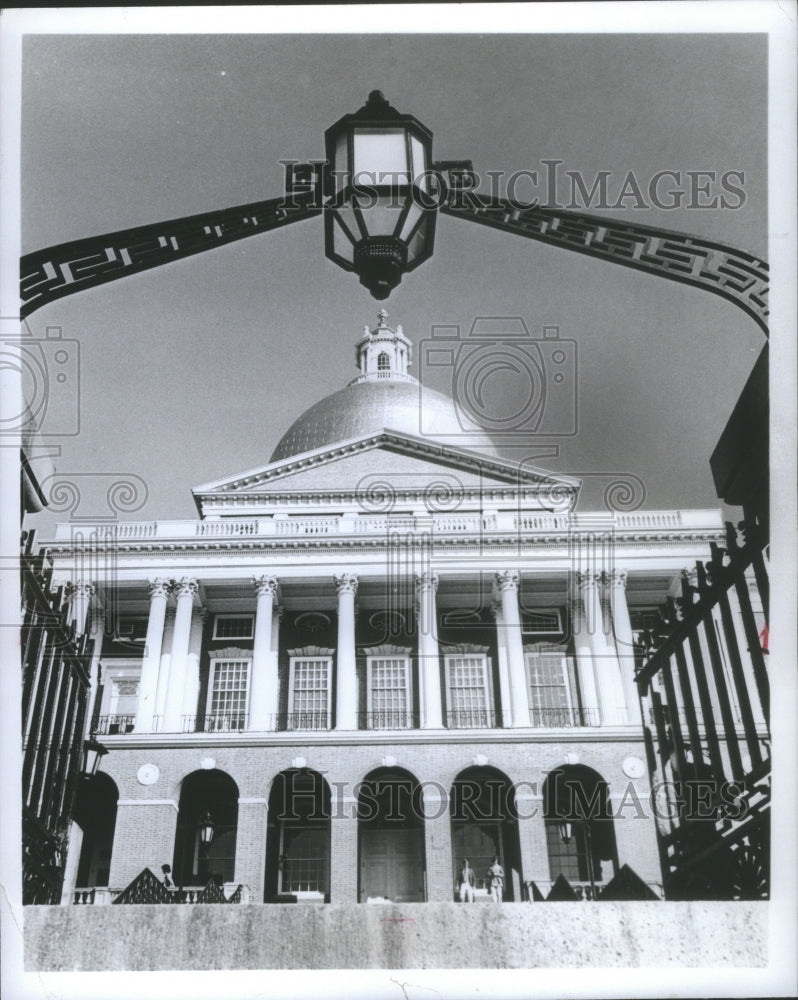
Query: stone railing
[443,523]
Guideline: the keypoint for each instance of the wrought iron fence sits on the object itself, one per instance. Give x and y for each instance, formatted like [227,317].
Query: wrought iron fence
[703,681]
[288,721]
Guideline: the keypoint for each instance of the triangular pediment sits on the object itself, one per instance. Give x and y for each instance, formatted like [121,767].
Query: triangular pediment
[359,466]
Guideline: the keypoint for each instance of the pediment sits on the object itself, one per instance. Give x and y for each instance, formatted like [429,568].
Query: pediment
[368,468]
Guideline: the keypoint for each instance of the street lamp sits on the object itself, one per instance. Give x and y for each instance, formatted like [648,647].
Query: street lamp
[566,832]
[205,828]
[93,753]
[380,220]
[380,193]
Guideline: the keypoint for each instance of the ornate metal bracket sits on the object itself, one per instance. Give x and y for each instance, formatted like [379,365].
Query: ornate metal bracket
[52,273]
[714,267]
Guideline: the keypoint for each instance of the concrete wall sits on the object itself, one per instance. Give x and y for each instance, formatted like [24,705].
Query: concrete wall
[411,936]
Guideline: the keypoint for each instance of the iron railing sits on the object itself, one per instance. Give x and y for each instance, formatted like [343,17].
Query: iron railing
[473,718]
[221,722]
[386,719]
[288,721]
[113,725]
[563,718]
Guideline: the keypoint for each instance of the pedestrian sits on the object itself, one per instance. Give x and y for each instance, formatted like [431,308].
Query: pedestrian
[496,876]
[465,882]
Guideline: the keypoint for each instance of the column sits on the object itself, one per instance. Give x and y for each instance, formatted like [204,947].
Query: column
[150,665]
[346,683]
[185,591]
[250,867]
[80,595]
[97,632]
[584,664]
[624,644]
[605,665]
[163,670]
[504,668]
[191,686]
[438,844]
[429,670]
[532,837]
[264,680]
[507,583]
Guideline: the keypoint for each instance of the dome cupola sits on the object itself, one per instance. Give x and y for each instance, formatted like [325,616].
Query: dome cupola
[383,397]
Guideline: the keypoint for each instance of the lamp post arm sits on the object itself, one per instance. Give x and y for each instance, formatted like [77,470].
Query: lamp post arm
[52,273]
[715,267]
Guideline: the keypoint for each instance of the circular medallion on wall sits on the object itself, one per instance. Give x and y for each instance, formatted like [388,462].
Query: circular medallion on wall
[147,774]
[633,767]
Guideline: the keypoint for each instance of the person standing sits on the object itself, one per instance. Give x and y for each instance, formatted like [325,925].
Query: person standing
[465,881]
[496,876]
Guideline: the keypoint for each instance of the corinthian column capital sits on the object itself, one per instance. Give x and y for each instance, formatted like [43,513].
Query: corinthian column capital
[266,585]
[346,583]
[588,581]
[159,587]
[186,587]
[507,579]
[428,580]
[617,578]
[82,589]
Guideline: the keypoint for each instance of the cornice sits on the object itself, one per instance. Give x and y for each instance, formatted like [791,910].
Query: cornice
[359,543]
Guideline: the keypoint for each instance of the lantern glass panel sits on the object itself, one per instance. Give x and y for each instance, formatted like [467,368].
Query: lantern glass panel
[411,220]
[381,214]
[419,164]
[380,154]
[420,242]
[340,165]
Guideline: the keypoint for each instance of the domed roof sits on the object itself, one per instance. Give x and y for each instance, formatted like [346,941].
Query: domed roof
[370,406]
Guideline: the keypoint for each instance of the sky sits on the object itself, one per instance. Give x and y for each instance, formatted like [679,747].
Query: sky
[193,371]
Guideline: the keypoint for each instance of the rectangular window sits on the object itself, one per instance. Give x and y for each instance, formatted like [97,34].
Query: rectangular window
[227,696]
[304,854]
[233,627]
[467,682]
[550,702]
[388,686]
[309,692]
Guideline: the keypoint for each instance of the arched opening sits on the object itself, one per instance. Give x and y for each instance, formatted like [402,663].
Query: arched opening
[383,362]
[484,826]
[298,838]
[391,837]
[95,814]
[206,795]
[580,834]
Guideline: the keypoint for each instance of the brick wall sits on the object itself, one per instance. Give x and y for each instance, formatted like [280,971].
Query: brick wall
[147,816]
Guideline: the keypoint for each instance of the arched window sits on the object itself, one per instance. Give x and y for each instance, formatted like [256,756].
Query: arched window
[383,362]
[298,839]
[484,826]
[95,814]
[391,837]
[212,793]
[580,836]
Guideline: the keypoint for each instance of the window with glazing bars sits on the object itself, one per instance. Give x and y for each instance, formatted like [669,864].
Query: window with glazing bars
[310,692]
[389,692]
[233,627]
[549,689]
[227,697]
[468,690]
